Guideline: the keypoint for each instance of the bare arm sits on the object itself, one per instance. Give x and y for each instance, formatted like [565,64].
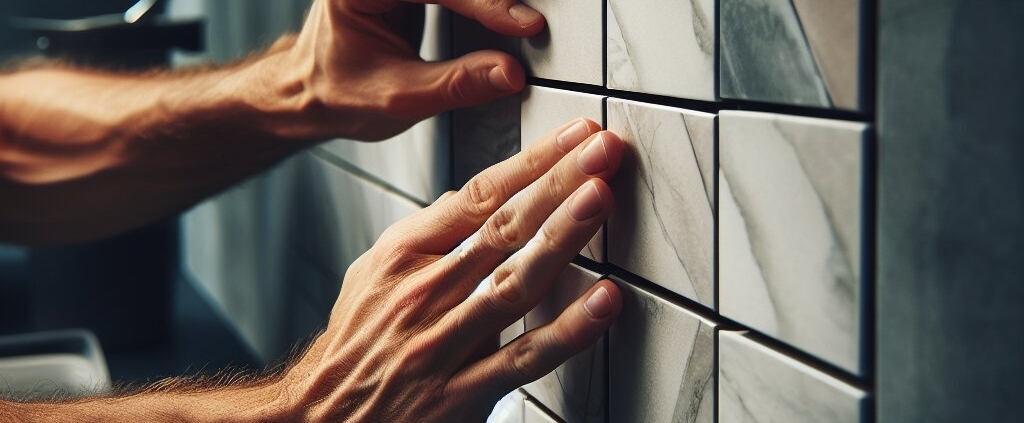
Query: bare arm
[412,335]
[86,153]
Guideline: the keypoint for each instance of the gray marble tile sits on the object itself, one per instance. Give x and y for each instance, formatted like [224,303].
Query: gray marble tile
[576,390]
[533,414]
[800,52]
[662,228]
[570,47]
[790,192]
[482,136]
[664,47]
[661,362]
[757,384]
[544,109]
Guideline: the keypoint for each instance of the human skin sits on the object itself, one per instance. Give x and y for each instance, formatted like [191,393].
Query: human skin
[85,154]
[411,337]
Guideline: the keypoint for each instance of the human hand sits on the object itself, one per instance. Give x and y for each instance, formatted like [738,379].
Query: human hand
[350,73]
[410,340]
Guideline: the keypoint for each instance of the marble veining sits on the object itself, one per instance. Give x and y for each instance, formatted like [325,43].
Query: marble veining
[790,230]
[544,109]
[569,48]
[759,385]
[799,52]
[576,390]
[662,228]
[661,362]
[664,47]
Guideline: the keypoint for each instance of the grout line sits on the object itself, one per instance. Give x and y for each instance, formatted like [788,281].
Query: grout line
[724,323]
[364,175]
[705,106]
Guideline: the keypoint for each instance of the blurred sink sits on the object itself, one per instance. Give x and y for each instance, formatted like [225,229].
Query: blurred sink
[66,363]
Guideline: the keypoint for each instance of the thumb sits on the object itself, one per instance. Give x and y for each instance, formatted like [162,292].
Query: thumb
[476,78]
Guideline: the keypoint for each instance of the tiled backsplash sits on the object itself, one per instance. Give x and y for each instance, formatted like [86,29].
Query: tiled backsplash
[742,215]
[742,221]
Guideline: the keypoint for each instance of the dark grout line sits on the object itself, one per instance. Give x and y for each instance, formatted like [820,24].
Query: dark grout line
[725,323]
[704,106]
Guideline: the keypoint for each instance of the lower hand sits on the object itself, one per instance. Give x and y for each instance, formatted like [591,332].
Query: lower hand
[412,338]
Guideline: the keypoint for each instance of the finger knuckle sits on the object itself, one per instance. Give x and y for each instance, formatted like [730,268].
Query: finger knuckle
[501,230]
[457,84]
[525,358]
[549,239]
[507,290]
[482,193]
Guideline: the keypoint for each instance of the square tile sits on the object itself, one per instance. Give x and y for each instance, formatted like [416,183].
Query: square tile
[661,362]
[662,228]
[798,52]
[569,48]
[576,390]
[544,109]
[790,191]
[533,414]
[664,47]
[758,384]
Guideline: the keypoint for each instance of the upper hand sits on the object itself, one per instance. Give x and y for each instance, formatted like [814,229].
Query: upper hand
[351,74]
[410,340]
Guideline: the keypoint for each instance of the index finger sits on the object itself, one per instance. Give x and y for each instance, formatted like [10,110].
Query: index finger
[508,17]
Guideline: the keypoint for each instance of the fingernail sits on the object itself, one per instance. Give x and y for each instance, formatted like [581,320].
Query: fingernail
[594,158]
[524,14]
[587,203]
[573,136]
[599,304]
[496,76]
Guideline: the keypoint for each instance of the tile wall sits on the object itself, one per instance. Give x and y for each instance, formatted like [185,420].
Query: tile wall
[742,233]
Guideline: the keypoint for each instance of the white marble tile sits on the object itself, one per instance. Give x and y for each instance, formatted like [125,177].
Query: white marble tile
[509,409]
[337,216]
[757,384]
[416,162]
[661,362]
[533,414]
[662,228]
[569,48]
[800,52]
[790,192]
[664,47]
[576,390]
[544,109]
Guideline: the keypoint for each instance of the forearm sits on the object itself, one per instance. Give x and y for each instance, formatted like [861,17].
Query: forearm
[85,153]
[262,403]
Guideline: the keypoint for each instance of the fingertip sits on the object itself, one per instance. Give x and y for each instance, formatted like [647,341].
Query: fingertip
[529,21]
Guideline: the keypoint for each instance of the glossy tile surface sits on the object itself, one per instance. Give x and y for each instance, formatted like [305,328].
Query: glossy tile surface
[800,52]
[544,109]
[790,232]
[576,390]
[664,47]
[661,359]
[662,227]
[509,409]
[569,48]
[757,384]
